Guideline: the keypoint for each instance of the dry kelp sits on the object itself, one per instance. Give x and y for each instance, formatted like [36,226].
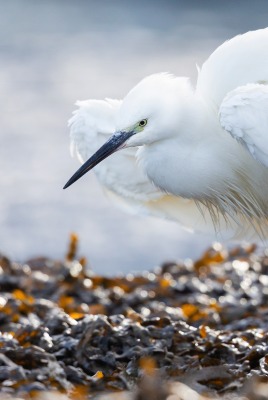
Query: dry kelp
[201,327]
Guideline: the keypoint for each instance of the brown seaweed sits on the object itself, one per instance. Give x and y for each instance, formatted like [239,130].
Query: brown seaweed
[199,326]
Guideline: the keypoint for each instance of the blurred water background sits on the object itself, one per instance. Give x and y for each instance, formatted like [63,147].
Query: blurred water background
[53,52]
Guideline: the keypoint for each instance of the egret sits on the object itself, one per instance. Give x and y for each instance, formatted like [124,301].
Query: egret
[195,155]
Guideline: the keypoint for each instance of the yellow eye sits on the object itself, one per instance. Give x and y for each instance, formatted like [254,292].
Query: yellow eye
[142,123]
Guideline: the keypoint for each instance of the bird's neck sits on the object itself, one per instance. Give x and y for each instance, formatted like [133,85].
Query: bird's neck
[202,162]
[188,163]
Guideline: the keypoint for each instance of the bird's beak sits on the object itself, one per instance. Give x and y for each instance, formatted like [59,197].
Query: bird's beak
[113,144]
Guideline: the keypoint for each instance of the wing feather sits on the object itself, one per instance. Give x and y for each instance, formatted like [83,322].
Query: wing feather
[91,124]
[237,62]
[244,114]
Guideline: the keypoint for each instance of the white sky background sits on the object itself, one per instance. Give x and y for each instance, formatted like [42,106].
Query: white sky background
[55,52]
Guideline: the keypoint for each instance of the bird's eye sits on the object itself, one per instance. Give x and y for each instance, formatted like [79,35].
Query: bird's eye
[143,122]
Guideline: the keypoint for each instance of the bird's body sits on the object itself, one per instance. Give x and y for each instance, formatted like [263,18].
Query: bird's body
[122,179]
[195,155]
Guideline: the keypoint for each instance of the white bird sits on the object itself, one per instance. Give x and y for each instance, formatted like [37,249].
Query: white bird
[120,176]
[195,155]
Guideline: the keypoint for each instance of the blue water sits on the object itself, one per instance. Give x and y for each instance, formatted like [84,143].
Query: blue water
[55,52]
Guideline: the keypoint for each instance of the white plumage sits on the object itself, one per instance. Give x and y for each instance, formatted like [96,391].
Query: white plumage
[244,114]
[198,155]
[90,127]
[120,176]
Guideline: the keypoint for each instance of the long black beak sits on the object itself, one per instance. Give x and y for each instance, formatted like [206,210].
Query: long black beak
[113,144]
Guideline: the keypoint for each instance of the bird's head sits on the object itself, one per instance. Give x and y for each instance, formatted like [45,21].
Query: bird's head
[151,111]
